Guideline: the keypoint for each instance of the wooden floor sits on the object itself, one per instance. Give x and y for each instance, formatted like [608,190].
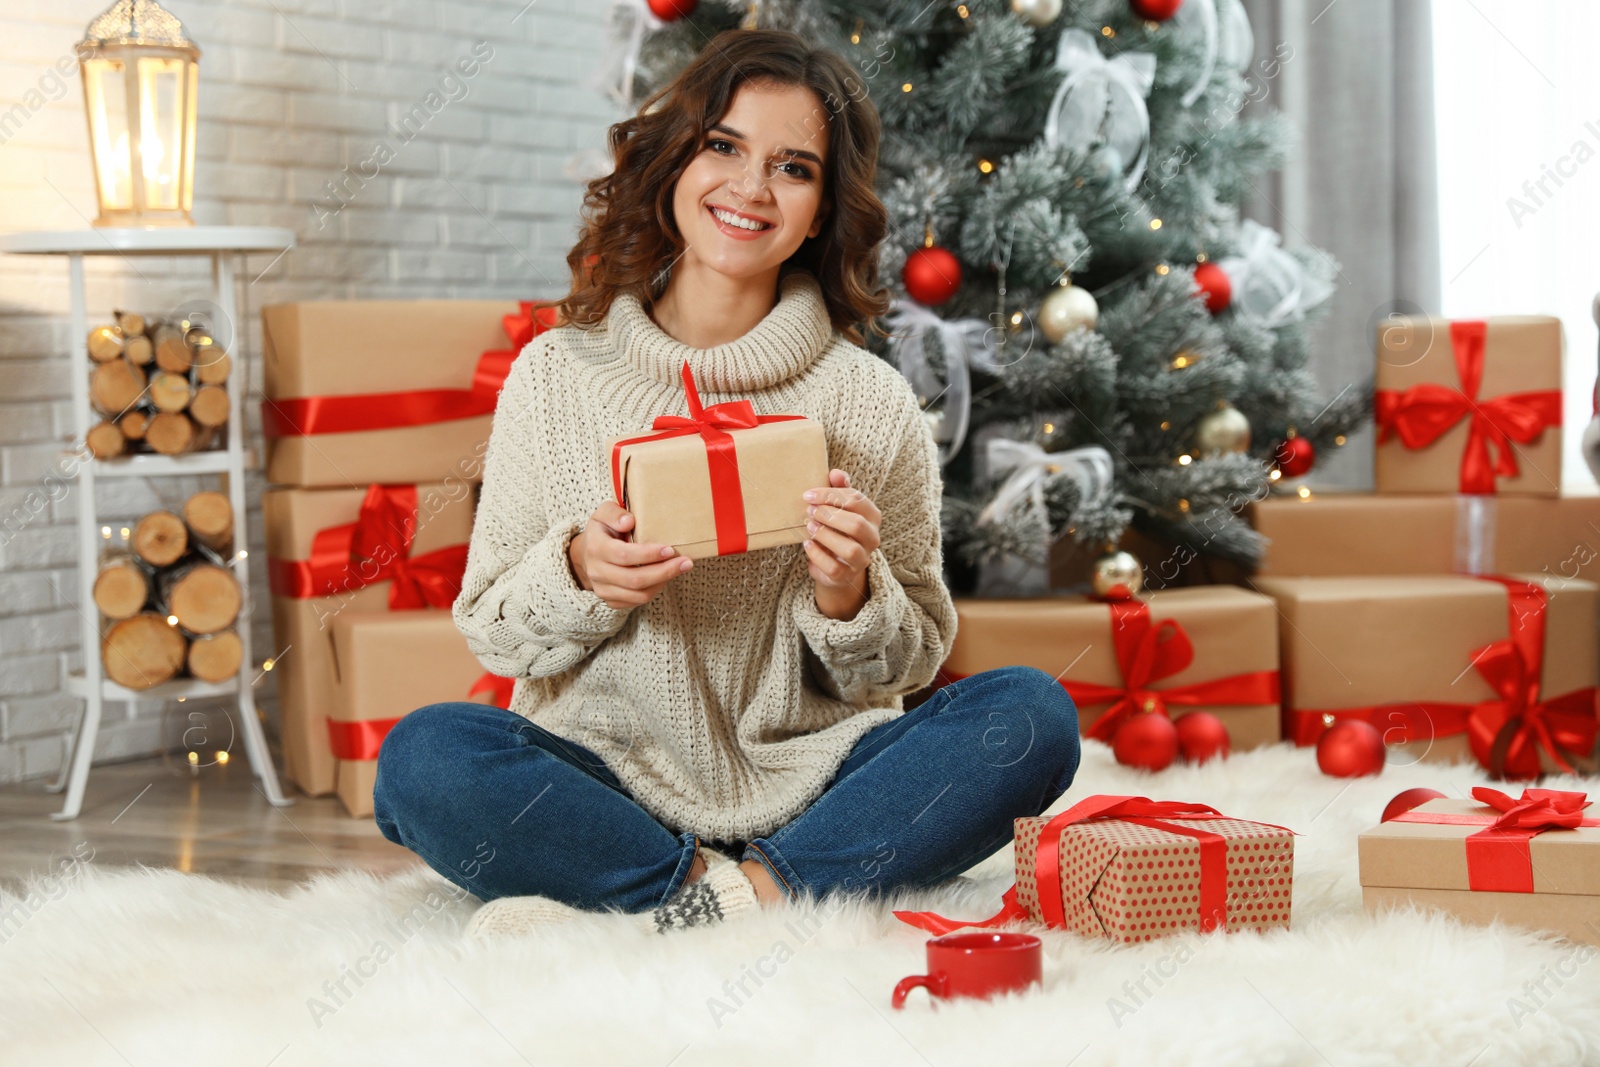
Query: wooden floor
[214,821]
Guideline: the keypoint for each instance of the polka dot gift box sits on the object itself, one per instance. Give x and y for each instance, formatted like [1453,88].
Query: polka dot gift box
[1133,869]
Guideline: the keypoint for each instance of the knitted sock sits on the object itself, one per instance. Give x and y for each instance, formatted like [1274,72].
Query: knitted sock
[723,891]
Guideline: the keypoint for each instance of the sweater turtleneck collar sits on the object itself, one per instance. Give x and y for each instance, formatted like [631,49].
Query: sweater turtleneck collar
[782,345]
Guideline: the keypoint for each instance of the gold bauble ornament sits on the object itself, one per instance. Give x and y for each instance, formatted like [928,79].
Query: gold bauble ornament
[1066,309]
[1223,430]
[1117,576]
[1039,13]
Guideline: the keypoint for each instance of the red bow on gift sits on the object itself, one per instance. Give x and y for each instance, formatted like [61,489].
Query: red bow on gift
[1147,653]
[713,424]
[375,548]
[1506,733]
[301,416]
[362,740]
[1499,857]
[1047,866]
[1423,413]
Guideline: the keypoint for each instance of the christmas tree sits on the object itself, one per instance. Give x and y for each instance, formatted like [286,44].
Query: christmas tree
[1100,340]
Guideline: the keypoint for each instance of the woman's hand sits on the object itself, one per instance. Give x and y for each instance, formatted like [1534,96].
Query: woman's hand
[844,532]
[623,574]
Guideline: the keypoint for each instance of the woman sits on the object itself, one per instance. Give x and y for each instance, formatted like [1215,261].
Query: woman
[690,739]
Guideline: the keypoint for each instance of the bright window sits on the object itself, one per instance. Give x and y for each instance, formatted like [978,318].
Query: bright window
[1518,106]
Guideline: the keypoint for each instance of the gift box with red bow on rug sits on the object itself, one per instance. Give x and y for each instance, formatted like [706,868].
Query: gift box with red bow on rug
[387,664]
[1131,869]
[722,480]
[1209,648]
[1501,669]
[1531,861]
[386,547]
[1469,406]
[361,391]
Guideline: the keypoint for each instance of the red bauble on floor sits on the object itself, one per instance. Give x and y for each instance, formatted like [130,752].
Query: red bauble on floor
[931,275]
[1201,736]
[1148,740]
[1411,798]
[1351,749]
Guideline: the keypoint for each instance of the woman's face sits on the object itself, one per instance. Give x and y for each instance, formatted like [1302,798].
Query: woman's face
[763,161]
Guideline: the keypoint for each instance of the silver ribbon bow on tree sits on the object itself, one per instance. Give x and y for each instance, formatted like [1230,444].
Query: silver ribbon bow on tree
[619,64]
[909,323]
[1079,58]
[1270,285]
[1031,467]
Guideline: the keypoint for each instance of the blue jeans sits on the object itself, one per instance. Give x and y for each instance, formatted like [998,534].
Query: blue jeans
[502,807]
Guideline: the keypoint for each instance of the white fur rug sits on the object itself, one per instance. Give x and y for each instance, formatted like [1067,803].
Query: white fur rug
[140,966]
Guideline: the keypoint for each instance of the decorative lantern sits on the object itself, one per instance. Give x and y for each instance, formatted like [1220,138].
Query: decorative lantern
[140,78]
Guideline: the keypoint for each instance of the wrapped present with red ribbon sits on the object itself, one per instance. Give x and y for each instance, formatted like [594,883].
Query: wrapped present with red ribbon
[1132,869]
[1500,669]
[1469,406]
[722,480]
[385,666]
[383,548]
[1210,648]
[1531,861]
[386,390]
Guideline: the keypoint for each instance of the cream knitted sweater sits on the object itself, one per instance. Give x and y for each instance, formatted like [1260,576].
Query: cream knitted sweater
[728,702]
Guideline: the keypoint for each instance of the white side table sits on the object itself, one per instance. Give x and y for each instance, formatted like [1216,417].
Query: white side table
[222,245]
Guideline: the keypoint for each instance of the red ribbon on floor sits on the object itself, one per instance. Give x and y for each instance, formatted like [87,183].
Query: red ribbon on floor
[1047,863]
[1146,653]
[374,548]
[1506,732]
[1500,857]
[1425,412]
[306,415]
[713,424]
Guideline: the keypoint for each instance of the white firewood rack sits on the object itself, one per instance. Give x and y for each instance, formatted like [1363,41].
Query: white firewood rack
[222,245]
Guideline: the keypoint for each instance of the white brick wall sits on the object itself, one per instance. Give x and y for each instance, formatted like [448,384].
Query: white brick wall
[294,95]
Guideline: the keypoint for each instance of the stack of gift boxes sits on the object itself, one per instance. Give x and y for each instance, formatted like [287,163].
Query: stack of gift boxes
[1451,609]
[376,416]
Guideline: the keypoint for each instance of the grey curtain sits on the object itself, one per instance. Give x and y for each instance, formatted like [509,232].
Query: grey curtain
[1362,180]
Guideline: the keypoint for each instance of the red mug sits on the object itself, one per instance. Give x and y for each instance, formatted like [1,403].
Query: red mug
[976,964]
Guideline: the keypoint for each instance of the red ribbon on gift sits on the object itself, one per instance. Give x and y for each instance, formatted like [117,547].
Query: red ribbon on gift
[1147,653]
[1506,732]
[1047,863]
[362,740]
[498,688]
[1500,857]
[374,548]
[713,424]
[1423,413]
[306,415]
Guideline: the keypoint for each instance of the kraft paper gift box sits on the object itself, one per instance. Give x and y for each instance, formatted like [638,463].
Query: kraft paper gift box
[1334,533]
[1447,667]
[386,665]
[1541,872]
[1131,869]
[1229,670]
[1469,406]
[361,391]
[730,482]
[310,533]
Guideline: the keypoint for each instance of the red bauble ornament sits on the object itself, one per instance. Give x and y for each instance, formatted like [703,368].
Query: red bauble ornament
[1155,10]
[931,275]
[1201,736]
[1411,798]
[1212,281]
[1147,740]
[1294,457]
[672,10]
[1350,749]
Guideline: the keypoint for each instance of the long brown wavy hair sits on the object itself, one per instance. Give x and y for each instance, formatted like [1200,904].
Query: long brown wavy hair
[630,239]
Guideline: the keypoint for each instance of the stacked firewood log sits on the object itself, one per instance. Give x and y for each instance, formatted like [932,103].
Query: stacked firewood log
[169,598]
[157,386]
